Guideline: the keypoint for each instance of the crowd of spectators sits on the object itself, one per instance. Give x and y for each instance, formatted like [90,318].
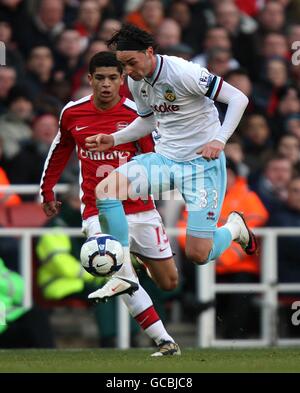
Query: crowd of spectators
[254,45]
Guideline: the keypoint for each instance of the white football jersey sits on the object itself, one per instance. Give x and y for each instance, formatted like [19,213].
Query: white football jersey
[180,94]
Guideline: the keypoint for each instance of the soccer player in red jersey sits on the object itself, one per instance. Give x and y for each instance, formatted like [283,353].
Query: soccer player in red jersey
[105,112]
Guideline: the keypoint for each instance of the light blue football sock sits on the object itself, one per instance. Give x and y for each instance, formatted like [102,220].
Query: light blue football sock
[221,241]
[113,219]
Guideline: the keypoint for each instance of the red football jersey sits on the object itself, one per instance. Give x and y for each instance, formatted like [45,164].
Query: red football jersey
[79,120]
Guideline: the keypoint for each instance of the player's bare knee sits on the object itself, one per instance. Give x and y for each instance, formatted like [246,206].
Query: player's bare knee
[201,261]
[199,257]
[198,249]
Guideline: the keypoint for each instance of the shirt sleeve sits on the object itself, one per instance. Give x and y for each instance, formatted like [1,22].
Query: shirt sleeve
[199,81]
[236,104]
[143,109]
[58,156]
[136,130]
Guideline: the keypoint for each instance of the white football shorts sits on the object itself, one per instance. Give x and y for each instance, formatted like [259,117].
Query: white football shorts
[147,234]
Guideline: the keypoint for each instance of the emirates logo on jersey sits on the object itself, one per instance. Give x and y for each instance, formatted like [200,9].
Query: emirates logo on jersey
[104,156]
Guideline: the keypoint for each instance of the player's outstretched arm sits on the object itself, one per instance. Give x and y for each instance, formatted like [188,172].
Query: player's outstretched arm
[139,128]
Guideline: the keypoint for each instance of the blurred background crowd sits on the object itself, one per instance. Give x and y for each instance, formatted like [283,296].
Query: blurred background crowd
[253,44]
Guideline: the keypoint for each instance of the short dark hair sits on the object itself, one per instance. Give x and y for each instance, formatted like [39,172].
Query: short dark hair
[132,33]
[17,92]
[104,59]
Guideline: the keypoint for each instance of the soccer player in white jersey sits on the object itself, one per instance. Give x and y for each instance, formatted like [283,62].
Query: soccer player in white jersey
[177,97]
[102,111]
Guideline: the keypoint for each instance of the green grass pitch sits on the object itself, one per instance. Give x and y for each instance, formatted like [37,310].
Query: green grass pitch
[139,360]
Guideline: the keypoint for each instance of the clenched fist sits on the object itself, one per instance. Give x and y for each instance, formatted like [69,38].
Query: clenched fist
[51,208]
[100,142]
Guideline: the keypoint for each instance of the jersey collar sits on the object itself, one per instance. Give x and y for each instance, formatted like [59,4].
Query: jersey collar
[159,63]
[116,107]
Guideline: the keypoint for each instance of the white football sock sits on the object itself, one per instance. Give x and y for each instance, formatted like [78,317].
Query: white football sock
[234,228]
[140,302]
[158,333]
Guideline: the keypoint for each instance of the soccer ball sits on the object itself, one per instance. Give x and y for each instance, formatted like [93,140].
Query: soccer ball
[101,255]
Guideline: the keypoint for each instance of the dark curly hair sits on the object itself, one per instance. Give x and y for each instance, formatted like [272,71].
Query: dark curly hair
[104,59]
[131,33]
